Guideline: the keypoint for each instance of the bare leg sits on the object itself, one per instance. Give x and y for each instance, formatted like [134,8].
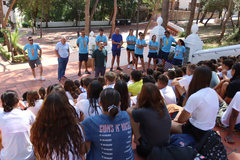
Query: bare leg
[149,61]
[176,128]
[128,54]
[40,69]
[118,61]
[154,63]
[33,72]
[142,63]
[133,58]
[136,62]
[113,59]
[79,66]
[163,63]
[86,68]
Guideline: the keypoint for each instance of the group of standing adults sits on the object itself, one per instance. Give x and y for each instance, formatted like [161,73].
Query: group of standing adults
[99,56]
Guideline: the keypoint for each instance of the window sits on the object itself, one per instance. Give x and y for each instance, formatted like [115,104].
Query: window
[4,3]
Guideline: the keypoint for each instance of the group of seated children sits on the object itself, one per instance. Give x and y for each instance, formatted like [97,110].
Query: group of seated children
[95,118]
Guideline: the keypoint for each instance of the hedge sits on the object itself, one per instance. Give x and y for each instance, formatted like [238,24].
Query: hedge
[20,58]
[20,48]
[4,52]
[7,55]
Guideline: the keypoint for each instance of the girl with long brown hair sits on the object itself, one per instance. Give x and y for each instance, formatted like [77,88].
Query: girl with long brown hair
[72,91]
[33,102]
[56,133]
[153,117]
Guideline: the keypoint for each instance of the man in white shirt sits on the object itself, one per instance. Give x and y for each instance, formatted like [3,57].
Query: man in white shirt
[181,84]
[165,90]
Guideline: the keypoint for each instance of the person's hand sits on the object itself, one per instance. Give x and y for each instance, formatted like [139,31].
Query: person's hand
[224,72]
[27,57]
[229,139]
[132,40]
[59,56]
[93,68]
[118,46]
[81,116]
[153,46]
[22,105]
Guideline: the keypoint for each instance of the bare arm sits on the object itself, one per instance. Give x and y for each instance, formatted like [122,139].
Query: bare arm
[78,44]
[184,116]
[175,81]
[116,42]
[161,41]
[68,53]
[105,43]
[56,52]
[25,55]
[40,52]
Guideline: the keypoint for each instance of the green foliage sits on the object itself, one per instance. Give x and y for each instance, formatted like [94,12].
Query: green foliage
[25,25]
[1,39]
[20,58]
[182,34]
[20,48]
[4,52]
[9,21]
[232,36]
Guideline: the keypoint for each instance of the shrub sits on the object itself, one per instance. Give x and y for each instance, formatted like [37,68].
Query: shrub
[20,58]
[4,52]
[25,25]
[20,48]
[182,34]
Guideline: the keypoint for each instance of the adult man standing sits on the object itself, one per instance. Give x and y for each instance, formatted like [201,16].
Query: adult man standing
[166,43]
[63,53]
[99,60]
[33,57]
[82,43]
[101,38]
[116,48]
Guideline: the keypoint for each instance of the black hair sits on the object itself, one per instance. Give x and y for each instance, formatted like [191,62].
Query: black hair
[110,99]
[9,100]
[24,96]
[29,38]
[209,64]
[153,36]
[148,78]
[178,72]
[233,58]
[101,29]
[199,63]
[140,33]
[214,61]
[77,83]
[167,32]
[93,91]
[171,74]
[136,75]
[223,57]
[121,87]
[236,67]
[160,69]
[81,82]
[87,81]
[82,29]
[228,62]
[126,77]
[182,42]
[156,74]
[150,71]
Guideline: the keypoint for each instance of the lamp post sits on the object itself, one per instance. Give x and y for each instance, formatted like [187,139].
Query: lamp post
[79,13]
[9,29]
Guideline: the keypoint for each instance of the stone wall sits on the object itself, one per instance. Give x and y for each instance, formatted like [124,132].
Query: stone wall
[184,15]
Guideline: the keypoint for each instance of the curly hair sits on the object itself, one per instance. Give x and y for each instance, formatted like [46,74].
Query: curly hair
[32,96]
[72,88]
[56,131]
[9,100]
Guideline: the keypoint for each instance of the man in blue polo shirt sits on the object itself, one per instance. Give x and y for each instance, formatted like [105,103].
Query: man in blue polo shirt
[82,43]
[33,57]
[116,48]
[166,43]
[101,38]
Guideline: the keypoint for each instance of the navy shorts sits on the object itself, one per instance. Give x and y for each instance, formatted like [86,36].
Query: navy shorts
[116,53]
[163,55]
[138,55]
[128,49]
[177,62]
[83,57]
[152,55]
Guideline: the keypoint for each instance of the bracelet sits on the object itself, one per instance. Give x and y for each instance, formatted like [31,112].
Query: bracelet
[25,108]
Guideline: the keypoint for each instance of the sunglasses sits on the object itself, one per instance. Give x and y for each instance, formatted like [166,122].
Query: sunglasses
[31,40]
[142,35]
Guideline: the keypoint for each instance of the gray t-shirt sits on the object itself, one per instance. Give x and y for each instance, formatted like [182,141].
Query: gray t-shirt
[154,129]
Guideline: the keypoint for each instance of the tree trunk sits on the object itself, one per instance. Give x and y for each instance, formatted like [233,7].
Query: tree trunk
[32,22]
[171,14]
[87,5]
[224,24]
[176,20]
[3,24]
[110,18]
[35,16]
[8,12]
[223,18]
[199,11]
[238,19]
[139,1]
[46,17]
[165,9]
[193,6]
[154,12]
[92,13]
[209,18]
[113,19]
[203,16]
[41,20]
[233,25]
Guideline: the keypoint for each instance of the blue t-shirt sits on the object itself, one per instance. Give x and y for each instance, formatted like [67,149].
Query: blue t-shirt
[179,52]
[32,50]
[139,51]
[167,43]
[109,139]
[156,44]
[129,39]
[118,39]
[100,39]
[83,44]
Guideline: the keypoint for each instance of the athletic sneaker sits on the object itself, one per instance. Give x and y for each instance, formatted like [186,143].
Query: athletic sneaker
[118,68]
[41,78]
[64,77]
[129,66]
[133,67]
[79,74]
[111,69]
[86,72]
[35,79]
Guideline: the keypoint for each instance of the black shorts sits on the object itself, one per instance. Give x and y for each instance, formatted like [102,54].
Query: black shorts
[163,55]
[34,63]
[138,55]
[83,57]
[196,133]
[143,149]
[128,49]
[152,55]
[177,62]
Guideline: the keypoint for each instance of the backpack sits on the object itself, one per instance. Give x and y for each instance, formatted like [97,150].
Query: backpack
[212,147]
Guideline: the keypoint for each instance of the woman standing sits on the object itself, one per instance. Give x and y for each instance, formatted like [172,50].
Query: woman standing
[15,129]
[131,41]
[109,135]
[179,53]
[141,43]
[153,48]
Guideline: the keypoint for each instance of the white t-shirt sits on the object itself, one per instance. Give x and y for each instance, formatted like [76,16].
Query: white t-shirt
[62,49]
[84,106]
[15,128]
[130,82]
[69,95]
[109,86]
[169,84]
[229,75]
[169,95]
[203,105]
[36,108]
[235,104]
[185,82]
[82,96]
